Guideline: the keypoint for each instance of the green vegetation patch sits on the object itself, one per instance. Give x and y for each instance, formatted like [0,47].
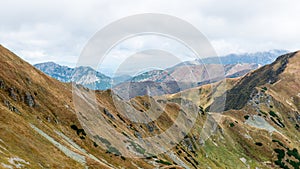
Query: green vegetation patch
[164,162]
[80,132]
[280,156]
[258,144]
[296,155]
[264,113]
[246,117]
[273,114]
[137,147]
[291,155]
[113,150]
[277,141]
[103,140]
[264,89]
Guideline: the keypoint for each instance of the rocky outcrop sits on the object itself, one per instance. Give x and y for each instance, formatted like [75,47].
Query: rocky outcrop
[29,100]
[12,92]
[2,84]
[240,94]
[11,107]
[108,114]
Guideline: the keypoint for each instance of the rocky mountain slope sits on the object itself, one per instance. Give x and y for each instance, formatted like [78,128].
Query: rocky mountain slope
[260,125]
[235,65]
[179,78]
[41,127]
[181,72]
[81,75]
[171,80]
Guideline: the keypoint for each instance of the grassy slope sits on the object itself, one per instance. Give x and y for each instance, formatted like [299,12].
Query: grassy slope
[53,110]
[230,142]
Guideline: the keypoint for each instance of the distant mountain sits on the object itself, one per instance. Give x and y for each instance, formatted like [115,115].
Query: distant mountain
[190,73]
[261,58]
[61,73]
[81,75]
[119,79]
[195,72]
[179,78]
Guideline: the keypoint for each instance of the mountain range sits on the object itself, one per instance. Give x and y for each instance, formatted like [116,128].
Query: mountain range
[233,65]
[251,122]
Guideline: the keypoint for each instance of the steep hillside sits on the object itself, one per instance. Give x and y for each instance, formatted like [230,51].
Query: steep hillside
[43,126]
[265,124]
[269,74]
[264,132]
[39,126]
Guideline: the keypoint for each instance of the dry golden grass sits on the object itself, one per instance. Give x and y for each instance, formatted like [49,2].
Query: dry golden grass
[54,110]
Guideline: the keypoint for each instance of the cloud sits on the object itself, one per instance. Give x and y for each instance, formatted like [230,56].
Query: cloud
[154,50]
[58,30]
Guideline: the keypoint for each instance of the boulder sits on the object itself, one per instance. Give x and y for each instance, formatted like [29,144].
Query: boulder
[150,127]
[107,113]
[12,93]
[11,107]
[29,100]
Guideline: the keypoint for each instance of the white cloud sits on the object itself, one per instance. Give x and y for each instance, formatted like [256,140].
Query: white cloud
[132,50]
[58,30]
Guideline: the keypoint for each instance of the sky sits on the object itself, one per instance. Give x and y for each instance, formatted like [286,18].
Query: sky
[51,30]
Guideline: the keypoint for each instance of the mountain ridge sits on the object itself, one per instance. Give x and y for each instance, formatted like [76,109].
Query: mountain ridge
[268,76]
[235,65]
[40,125]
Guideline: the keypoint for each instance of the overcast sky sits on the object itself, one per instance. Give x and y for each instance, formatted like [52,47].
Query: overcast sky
[50,30]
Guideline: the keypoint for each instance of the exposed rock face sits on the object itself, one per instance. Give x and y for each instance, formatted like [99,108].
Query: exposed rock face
[11,107]
[150,127]
[16,95]
[298,118]
[12,93]
[239,95]
[2,84]
[85,76]
[107,113]
[29,100]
